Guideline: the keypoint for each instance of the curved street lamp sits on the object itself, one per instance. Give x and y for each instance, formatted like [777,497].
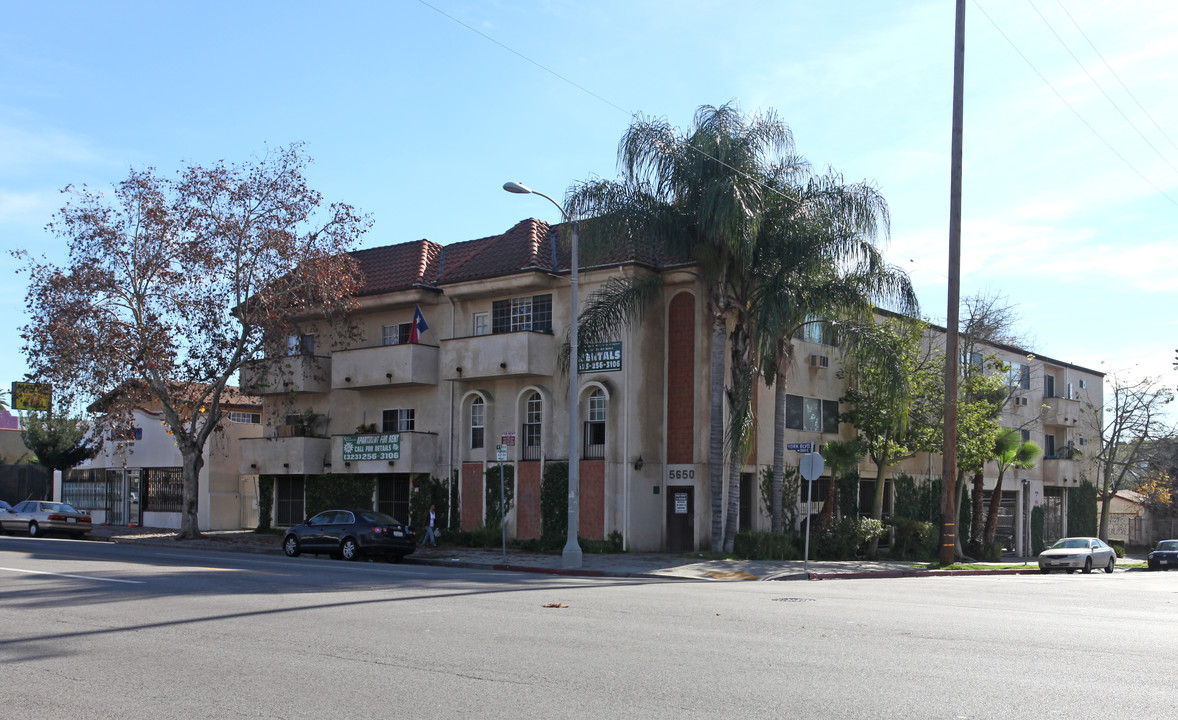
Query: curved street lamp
[571,557]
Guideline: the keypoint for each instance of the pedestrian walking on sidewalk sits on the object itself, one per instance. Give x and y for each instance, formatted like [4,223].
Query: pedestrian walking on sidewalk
[431,530]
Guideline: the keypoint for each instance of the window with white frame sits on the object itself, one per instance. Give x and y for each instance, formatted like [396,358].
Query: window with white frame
[480,324]
[398,420]
[595,425]
[523,313]
[533,419]
[245,417]
[395,334]
[478,414]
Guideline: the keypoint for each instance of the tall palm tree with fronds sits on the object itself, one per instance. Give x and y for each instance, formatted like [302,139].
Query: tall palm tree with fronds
[697,195]
[818,262]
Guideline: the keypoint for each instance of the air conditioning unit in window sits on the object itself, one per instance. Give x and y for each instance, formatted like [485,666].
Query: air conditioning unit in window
[819,361]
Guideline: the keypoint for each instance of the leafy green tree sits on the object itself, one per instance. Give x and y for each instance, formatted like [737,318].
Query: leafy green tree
[697,195]
[59,443]
[896,399]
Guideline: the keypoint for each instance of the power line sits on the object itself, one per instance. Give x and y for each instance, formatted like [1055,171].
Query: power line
[589,92]
[1075,112]
[1098,87]
[1118,77]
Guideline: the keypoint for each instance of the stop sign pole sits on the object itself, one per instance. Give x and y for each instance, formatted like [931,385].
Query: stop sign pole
[811,466]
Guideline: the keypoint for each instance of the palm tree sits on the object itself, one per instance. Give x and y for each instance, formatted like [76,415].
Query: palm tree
[700,196]
[1009,451]
[842,457]
[817,261]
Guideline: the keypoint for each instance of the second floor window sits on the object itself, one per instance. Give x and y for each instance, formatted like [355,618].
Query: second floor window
[811,414]
[396,334]
[480,324]
[399,420]
[524,313]
[245,417]
[478,410]
[300,345]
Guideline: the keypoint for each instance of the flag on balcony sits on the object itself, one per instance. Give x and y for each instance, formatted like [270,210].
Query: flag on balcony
[418,326]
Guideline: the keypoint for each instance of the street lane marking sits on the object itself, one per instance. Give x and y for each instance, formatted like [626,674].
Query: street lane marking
[79,577]
[165,565]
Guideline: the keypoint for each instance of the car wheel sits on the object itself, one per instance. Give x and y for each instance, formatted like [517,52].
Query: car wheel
[1069,571]
[1112,563]
[290,546]
[34,528]
[1153,567]
[348,549]
[1044,570]
[1087,565]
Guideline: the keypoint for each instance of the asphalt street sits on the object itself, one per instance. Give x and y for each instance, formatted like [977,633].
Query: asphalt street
[97,630]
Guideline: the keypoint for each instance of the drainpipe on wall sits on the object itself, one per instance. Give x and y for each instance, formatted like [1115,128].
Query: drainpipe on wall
[450,442]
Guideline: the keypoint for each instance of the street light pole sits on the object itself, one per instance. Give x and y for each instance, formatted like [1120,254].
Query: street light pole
[571,557]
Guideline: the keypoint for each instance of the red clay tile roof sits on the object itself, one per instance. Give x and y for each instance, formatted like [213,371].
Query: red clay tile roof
[530,245]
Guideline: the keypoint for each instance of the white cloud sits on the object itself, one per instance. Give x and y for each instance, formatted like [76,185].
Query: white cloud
[28,149]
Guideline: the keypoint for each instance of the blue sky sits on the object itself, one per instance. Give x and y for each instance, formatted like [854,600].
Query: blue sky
[418,113]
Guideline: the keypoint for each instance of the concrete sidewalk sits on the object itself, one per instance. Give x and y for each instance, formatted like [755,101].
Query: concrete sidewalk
[665,566]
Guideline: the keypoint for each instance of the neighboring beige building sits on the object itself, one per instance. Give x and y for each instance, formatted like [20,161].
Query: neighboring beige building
[487,370]
[137,478]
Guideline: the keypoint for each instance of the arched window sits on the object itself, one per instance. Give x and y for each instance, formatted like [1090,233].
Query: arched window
[478,414]
[533,425]
[595,426]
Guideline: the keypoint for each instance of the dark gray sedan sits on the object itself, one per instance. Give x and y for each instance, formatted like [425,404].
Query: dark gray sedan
[38,517]
[348,534]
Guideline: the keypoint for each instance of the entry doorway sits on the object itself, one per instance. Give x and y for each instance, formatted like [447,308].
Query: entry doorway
[680,518]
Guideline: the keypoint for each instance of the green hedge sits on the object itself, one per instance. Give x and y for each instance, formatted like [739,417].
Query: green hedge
[765,545]
[1038,515]
[1083,515]
[431,491]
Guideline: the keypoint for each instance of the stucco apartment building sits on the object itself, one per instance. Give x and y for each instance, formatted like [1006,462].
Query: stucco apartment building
[392,402]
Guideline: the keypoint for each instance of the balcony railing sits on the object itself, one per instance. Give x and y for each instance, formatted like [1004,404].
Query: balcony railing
[284,455]
[1060,411]
[292,373]
[385,365]
[416,452]
[499,355]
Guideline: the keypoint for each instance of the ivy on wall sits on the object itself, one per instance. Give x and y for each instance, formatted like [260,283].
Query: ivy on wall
[494,517]
[265,502]
[324,492]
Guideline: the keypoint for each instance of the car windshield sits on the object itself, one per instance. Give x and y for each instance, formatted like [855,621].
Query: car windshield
[1168,545]
[379,517]
[1070,543]
[57,507]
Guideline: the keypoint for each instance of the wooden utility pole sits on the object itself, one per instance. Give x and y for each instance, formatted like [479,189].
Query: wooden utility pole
[949,455]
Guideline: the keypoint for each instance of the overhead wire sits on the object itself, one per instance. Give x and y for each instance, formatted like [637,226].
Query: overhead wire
[1075,112]
[1098,87]
[1118,77]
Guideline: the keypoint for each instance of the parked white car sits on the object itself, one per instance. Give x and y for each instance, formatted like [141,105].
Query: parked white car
[1078,553]
[36,518]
